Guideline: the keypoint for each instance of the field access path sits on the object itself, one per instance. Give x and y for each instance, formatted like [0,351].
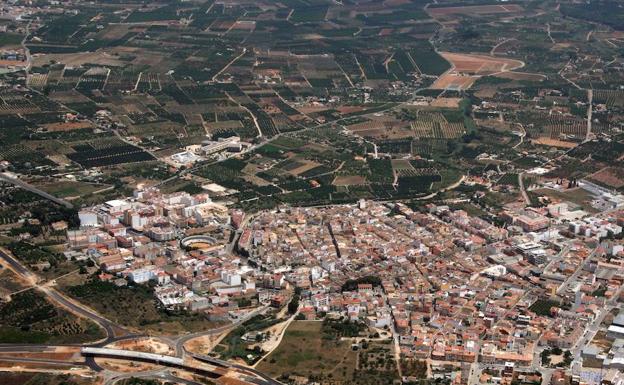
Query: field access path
[590,99]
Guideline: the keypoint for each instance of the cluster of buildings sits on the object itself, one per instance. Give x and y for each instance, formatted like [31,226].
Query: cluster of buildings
[13,55]
[13,59]
[161,238]
[609,352]
[194,153]
[449,286]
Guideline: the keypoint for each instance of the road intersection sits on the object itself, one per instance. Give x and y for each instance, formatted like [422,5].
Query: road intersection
[116,333]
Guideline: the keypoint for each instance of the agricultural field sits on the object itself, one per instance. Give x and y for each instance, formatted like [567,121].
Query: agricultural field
[234,347]
[543,307]
[10,39]
[435,125]
[314,168]
[480,65]
[122,92]
[159,93]
[440,11]
[603,11]
[107,153]
[610,177]
[69,189]
[577,197]
[466,69]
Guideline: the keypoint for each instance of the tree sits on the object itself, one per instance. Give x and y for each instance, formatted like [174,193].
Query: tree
[545,355]
[293,305]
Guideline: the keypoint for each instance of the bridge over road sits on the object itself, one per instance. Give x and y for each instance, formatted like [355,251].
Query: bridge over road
[217,370]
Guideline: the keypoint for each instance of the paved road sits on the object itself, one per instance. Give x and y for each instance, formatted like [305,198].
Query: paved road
[592,328]
[247,374]
[111,327]
[79,309]
[264,379]
[24,348]
[391,106]
[574,276]
[588,335]
[197,364]
[26,50]
[179,343]
[557,258]
[26,186]
[113,378]
[70,304]
[159,374]
[525,196]
[17,266]
[43,361]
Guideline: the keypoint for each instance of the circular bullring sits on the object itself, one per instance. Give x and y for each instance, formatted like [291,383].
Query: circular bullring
[198,242]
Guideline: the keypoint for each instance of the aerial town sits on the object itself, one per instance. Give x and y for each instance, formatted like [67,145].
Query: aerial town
[312,192]
[474,300]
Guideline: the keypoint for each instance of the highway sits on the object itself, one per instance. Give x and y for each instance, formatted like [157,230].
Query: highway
[83,311]
[16,266]
[44,361]
[264,379]
[24,348]
[195,364]
[26,186]
[112,329]
[160,374]
[202,365]
[62,300]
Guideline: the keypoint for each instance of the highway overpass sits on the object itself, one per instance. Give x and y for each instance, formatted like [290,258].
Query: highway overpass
[211,368]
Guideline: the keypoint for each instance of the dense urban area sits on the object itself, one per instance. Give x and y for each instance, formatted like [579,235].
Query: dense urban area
[281,192]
